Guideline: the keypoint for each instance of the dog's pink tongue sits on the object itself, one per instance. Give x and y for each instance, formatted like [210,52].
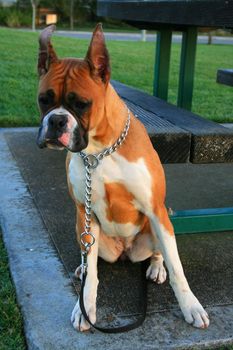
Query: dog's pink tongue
[65,139]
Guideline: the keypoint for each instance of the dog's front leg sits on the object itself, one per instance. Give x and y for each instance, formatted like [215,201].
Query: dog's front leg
[189,304]
[90,290]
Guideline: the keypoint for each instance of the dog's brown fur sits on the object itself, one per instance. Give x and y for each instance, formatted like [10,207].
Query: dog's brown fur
[128,195]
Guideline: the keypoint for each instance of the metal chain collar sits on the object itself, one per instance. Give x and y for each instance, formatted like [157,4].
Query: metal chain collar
[91,161]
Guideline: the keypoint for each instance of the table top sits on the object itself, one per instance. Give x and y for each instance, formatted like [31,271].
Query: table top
[148,14]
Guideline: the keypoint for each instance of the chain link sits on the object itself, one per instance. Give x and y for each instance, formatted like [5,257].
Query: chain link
[91,161]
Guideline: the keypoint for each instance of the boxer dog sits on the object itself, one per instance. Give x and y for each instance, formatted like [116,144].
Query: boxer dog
[81,111]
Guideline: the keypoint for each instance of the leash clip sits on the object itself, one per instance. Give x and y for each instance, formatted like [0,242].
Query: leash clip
[83,263]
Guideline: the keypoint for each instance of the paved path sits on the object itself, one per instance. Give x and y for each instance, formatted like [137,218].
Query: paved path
[202,39]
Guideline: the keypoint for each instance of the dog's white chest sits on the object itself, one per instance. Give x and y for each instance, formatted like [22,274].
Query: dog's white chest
[121,191]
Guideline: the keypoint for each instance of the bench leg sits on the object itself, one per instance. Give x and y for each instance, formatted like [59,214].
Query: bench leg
[162,63]
[187,64]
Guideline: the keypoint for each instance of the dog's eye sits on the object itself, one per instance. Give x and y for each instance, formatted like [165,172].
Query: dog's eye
[71,97]
[50,93]
[43,100]
[76,103]
[81,104]
[47,98]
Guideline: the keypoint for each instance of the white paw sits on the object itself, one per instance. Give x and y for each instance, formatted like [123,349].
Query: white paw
[78,320]
[194,313]
[156,271]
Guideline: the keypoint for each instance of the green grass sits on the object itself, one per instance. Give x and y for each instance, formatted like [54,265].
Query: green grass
[132,63]
[11,325]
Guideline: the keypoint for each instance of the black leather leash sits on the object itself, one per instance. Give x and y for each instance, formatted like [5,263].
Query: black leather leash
[130,326]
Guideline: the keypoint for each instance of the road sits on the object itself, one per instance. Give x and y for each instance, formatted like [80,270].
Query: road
[202,39]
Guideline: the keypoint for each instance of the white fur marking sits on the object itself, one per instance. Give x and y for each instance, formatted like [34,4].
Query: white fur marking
[71,124]
[113,169]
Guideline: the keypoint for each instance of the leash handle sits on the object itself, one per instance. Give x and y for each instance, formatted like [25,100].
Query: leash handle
[130,326]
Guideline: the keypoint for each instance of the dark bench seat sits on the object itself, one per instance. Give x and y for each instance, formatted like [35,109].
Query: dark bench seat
[177,134]
[225,76]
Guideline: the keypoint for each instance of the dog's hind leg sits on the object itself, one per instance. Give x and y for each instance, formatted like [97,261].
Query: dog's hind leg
[144,247]
[190,306]
[110,248]
[156,271]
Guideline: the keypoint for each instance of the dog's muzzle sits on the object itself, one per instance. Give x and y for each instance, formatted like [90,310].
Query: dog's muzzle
[60,129]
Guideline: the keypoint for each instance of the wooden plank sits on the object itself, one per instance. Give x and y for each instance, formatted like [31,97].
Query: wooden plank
[171,142]
[152,14]
[225,76]
[211,142]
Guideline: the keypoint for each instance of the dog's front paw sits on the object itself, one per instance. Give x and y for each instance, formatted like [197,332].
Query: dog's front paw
[194,313]
[78,320]
[156,271]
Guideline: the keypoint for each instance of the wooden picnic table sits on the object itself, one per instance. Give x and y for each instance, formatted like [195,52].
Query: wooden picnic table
[196,139]
[166,16]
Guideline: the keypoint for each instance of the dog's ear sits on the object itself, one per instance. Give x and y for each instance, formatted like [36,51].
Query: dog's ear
[47,54]
[97,55]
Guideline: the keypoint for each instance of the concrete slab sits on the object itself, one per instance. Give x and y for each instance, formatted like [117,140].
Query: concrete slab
[228,125]
[45,291]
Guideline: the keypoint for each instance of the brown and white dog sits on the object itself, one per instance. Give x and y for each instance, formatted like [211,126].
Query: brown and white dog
[80,110]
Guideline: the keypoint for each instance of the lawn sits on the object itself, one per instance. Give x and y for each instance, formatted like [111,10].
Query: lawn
[11,325]
[132,63]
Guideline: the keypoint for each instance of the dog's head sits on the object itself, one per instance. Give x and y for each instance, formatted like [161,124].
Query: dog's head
[71,92]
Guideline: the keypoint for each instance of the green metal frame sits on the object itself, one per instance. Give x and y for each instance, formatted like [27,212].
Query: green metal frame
[202,220]
[187,65]
[162,63]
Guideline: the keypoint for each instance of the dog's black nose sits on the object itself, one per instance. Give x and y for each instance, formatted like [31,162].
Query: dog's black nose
[57,122]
